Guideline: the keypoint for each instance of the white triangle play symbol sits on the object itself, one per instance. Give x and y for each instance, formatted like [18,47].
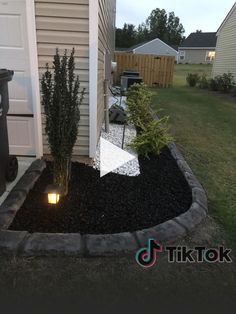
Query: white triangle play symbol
[112,157]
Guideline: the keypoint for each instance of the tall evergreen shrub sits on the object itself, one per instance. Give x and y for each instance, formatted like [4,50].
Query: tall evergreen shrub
[61,98]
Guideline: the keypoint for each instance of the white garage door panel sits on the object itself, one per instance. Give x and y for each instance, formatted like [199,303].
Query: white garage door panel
[23,145]
[20,94]
[14,55]
[7,39]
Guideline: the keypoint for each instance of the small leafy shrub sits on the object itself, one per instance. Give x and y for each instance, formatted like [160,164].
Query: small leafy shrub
[213,84]
[139,104]
[192,79]
[234,92]
[152,134]
[225,82]
[153,138]
[203,82]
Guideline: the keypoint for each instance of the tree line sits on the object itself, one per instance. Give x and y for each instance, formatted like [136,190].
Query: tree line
[159,24]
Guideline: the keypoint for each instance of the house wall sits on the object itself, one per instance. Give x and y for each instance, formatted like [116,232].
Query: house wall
[195,56]
[225,60]
[106,47]
[64,25]
[156,47]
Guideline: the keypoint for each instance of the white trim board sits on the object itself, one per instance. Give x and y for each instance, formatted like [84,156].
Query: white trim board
[93,75]
[34,72]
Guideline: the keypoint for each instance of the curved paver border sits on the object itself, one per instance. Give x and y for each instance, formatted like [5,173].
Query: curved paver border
[74,244]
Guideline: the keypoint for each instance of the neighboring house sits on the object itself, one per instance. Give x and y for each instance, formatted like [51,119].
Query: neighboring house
[198,48]
[30,32]
[153,47]
[225,60]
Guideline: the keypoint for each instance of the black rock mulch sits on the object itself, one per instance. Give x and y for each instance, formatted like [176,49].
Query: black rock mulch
[112,204]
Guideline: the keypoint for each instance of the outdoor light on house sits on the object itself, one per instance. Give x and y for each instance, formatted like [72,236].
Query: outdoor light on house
[54,192]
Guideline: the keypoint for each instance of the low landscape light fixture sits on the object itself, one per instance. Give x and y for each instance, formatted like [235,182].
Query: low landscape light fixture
[54,192]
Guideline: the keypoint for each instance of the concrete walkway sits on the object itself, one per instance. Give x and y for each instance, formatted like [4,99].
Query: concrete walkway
[24,163]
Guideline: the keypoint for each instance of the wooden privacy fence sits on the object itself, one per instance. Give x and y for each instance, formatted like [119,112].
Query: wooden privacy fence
[155,70]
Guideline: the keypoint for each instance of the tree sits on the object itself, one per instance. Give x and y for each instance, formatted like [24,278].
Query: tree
[60,98]
[159,24]
[142,33]
[126,36]
[166,27]
[174,29]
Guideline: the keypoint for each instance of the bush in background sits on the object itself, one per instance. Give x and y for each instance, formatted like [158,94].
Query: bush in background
[203,82]
[234,91]
[223,83]
[139,104]
[213,84]
[192,79]
[152,134]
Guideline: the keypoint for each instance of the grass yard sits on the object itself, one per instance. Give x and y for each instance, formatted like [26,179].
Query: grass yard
[203,124]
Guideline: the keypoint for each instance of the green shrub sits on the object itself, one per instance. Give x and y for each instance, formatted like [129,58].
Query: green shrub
[152,134]
[139,104]
[203,82]
[153,138]
[233,91]
[225,82]
[213,84]
[61,99]
[192,79]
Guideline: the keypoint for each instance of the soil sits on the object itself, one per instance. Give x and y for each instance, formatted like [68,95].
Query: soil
[111,204]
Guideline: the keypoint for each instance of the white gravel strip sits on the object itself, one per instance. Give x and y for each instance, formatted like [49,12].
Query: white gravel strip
[114,136]
[117,100]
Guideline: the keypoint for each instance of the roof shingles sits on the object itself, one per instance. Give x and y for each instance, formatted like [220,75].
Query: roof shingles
[198,40]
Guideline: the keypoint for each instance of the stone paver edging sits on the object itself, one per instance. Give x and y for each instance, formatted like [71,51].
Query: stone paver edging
[74,244]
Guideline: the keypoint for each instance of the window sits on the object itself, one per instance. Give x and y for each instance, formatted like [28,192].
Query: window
[181,55]
[210,56]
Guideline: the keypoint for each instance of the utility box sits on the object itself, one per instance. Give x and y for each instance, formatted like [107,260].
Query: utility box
[5,159]
[127,81]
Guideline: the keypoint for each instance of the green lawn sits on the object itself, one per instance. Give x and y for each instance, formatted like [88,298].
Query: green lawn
[204,126]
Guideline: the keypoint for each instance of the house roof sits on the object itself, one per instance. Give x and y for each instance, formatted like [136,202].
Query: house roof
[198,40]
[147,42]
[138,45]
[132,48]
[121,49]
[226,18]
[175,47]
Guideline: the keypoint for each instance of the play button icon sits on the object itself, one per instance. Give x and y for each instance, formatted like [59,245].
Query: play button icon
[112,157]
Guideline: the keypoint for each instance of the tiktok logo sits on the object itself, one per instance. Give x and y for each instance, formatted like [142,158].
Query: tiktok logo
[146,257]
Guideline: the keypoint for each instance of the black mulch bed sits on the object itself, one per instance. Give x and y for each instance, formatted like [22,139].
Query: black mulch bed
[114,203]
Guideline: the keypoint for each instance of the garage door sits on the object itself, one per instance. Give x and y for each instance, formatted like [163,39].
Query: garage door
[14,55]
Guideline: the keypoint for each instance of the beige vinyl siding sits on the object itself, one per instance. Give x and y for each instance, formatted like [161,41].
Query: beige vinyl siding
[106,44]
[195,56]
[225,60]
[64,24]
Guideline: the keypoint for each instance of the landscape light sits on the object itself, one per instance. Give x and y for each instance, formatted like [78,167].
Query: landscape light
[54,192]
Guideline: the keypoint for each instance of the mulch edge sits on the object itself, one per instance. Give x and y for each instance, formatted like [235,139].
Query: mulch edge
[23,243]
